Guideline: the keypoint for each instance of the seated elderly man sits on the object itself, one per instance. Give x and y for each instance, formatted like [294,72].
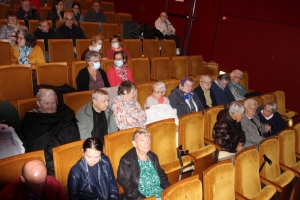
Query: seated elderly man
[222,91]
[183,99]
[139,172]
[269,115]
[168,31]
[205,94]
[96,118]
[48,126]
[96,14]
[253,128]
[34,184]
[227,131]
[27,13]
[69,31]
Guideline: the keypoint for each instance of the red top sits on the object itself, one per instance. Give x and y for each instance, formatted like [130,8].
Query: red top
[114,79]
[16,190]
[110,53]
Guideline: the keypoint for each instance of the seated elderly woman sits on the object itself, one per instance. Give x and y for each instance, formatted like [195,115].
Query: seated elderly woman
[92,176]
[92,77]
[96,45]
[139,172]
[26,51]
[48,126]
[227,131]
[222,91]
[253,128]
[157,96]
[120,71]
[127,111]
[238,91]
[204,93]
[270,116]
[9,30]
[115,46]
[183,99]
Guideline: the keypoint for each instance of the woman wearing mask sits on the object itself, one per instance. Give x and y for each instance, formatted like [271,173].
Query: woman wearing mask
[76,11]
[115,46]
[120,71]
[92,77]
[56,12]
[96,45]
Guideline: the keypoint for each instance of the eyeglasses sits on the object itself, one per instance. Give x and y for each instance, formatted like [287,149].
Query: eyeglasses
[20,38]
[156,92]
[209,82]
[67,19]
[12,19]
[237,77]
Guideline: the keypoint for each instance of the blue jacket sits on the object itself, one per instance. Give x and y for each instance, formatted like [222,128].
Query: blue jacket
[82,184]
[224,97]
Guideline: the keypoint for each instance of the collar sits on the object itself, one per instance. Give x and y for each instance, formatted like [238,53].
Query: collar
[267,118]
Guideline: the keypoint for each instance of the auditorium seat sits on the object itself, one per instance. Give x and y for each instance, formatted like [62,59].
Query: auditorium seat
[25,105]
[179,67]
[106,64]
[211,68]
[109,30]
[44,11]
[110,16]
[134,46]
[76,100]
[3,9]
[61,50]
[55,73]
[196,65]
[121,17]
[105,46]
[34,24]
[81,46]
[107,6]
[140,68]
[90,28]
[41,43]
[168,48]
[161,68]
[76,67]
[143,91]
[151,48]
[170,85]
[5,52]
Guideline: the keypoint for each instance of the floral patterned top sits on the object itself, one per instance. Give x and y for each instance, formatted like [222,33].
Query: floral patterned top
[149,183]
[128,114]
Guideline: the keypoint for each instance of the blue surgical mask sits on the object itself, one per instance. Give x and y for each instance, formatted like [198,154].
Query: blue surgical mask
[119,63]
[96,65]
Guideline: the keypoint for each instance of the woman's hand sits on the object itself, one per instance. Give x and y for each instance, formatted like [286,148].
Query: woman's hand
[239,147]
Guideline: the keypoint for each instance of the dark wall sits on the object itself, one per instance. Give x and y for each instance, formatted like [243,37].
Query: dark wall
[261,37]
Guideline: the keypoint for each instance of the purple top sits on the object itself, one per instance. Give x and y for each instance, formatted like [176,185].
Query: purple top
[96,84]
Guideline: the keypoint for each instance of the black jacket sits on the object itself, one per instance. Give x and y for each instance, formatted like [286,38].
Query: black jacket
[31,15]
[129,174]
[83,79]
[64,32]
[43,131]
[45,36]
[82,183]
[200,93]
[53,16]
[227,132]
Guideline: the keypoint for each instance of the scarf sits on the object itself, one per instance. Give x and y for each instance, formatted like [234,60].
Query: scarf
[24,52]
[122,72]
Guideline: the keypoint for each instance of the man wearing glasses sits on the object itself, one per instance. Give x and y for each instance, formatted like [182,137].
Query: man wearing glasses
[34,184]
[27,13]
[69,31]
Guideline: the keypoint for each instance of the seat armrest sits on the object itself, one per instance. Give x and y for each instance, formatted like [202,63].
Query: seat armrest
[239,196]
[268,182]
[297,155]
[207,141]
[286,168]
[152,79]
[174,77]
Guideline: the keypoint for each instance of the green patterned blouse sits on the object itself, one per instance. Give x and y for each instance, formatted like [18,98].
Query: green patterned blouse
[149,184]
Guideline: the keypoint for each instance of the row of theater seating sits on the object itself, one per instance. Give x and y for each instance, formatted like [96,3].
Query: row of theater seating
[192,135]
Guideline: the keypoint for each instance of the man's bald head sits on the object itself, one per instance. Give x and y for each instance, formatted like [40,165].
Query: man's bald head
[163,16]
[34,175]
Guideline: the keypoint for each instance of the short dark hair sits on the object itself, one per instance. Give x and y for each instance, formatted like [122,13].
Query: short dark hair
[223,77]
[113,37]
[30,39]
[10,13]
[126,86]
[93,143]
[95,1]
[76,4]
[124,55]
[55,3]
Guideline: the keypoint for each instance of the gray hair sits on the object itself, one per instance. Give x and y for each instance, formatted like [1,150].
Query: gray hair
[272,105]
[236,107]
[205,76]
[139,132]
[68,13]
[97,93]
[160,85]
[250,101]
[235,72]
[92,54]
[224,77]
[44,92]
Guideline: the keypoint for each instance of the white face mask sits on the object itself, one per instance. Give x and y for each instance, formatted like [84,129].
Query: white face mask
[97,48]
[119,63]
[115,45]
[96,65]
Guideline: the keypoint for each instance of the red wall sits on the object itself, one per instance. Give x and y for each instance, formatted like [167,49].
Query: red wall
[261,37]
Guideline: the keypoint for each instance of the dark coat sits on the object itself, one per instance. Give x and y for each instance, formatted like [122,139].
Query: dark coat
[31,15]
[177,101]
[276,122]
[44,131]
[64,32]
[227,132]
[53,16]
[92,16]
[83,79]
[200,93]
[45,36]
[129,174]
[82,184]
[223,97]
